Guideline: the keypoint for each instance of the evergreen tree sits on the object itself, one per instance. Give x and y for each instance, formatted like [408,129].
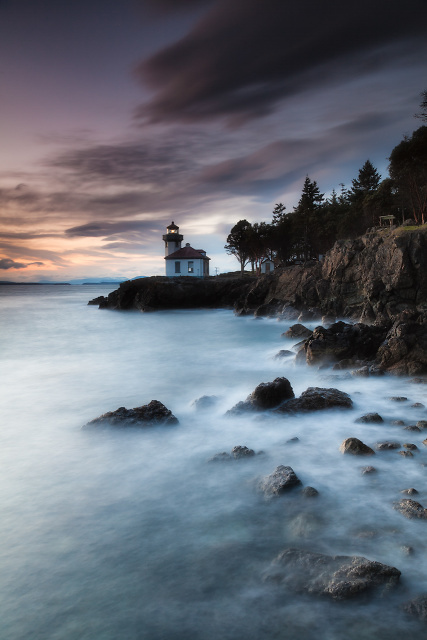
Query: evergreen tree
[367,182]
[305,217]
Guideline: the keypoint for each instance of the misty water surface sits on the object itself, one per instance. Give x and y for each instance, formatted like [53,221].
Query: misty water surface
[133,534]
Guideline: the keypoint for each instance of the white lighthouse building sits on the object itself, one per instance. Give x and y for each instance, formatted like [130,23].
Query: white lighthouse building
[183,261]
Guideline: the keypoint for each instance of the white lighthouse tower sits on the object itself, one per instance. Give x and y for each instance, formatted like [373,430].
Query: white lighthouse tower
[172,239]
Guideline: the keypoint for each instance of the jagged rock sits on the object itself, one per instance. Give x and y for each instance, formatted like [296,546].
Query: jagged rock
[417,607]
[411,509]
[405,348]
[284,353]
[280,481]
[412,427]
[398,423]
[410,446]
[387,445]
[398,399]
[204,402]
[242,452]
[292,440]
[297,331]
[316,399]
[342,341]
[406,454]
[422,424]
[409,492]
[148,415]
[356,447]
[338,577]
[374,418]
[417,405]
[265,396]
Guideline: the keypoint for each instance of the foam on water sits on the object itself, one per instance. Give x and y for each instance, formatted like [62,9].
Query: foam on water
[133,534]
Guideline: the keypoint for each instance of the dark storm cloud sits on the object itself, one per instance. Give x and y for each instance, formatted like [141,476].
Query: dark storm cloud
[240,59]
[8,263]
[102,229]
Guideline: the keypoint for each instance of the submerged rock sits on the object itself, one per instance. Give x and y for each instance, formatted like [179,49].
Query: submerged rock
[148,415]
[204,402]
[221,457]
[387,445]
[373,418]
[316,399]
[284,353]
[242,452]
[357,448]
[417,607]
[310,492]
[338,577]
[280,481]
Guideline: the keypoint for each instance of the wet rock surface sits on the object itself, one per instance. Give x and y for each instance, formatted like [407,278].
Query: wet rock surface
[148,415]
[373,418]
[266,395]
[411,509]
[316,399]
[356,447]
[280,481]
[337,577]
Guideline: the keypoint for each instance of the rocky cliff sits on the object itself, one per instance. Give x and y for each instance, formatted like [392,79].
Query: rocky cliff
[371,278]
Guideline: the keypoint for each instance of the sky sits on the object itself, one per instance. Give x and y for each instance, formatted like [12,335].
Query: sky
[118,117]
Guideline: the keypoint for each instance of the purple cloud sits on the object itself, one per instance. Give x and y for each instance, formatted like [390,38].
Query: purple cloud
[241,59]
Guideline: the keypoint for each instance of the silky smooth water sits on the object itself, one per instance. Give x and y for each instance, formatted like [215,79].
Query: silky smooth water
[134,534]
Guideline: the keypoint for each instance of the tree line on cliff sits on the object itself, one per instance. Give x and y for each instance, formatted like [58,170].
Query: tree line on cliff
[316,223]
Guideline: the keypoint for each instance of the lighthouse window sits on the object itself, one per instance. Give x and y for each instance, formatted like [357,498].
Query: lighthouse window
[177,267]
[190,266]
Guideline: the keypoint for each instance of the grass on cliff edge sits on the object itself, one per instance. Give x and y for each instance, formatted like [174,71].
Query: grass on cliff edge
[401,230]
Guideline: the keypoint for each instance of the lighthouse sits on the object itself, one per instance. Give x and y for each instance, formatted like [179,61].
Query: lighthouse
[172,239]
[183,261]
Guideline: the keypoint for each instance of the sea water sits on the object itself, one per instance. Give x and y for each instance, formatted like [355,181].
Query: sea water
[133,534]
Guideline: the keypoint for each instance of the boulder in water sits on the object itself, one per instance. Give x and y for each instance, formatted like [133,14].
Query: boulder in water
[338,577]
[316,399]
[356,447]
[280,481]
[148,415]
[411,509]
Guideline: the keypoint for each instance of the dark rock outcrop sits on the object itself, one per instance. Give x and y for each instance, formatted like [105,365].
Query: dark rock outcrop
[297,331]
[148,415]
[316,399]
[280,481]
[342,341]
[405,347]
[266,395]
[357,448]
[411,509]
[337,577]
